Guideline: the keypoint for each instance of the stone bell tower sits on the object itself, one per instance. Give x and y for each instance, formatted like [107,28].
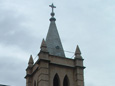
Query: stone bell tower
[52,67]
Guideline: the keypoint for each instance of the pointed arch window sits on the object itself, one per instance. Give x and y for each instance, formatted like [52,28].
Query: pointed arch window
[66,81]
[56,81]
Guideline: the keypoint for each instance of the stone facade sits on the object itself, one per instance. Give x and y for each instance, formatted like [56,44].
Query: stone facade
[43,72]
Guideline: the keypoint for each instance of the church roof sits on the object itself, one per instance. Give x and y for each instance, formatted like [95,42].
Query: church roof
[53,41]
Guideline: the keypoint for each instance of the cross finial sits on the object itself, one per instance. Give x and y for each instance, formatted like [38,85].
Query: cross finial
[52,13]
[52,6]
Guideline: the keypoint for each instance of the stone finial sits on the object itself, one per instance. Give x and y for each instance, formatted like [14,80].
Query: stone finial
[31,61]
[78,52]
[43,46]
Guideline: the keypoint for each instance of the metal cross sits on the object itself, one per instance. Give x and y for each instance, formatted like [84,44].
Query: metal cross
[52,6]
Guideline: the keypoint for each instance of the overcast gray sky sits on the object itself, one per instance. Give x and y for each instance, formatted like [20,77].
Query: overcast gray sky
[87,23]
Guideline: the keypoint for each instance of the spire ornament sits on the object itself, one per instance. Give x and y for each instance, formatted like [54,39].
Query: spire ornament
[52,6]
[31,61]
[52,13]
[78,53]
[44,46]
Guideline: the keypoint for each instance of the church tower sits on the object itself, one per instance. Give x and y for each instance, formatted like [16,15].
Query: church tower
[52,67]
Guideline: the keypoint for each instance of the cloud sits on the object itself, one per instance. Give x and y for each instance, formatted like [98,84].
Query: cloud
[13,61]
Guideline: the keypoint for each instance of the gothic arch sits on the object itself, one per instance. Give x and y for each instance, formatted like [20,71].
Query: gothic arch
[66,81]
[56,81]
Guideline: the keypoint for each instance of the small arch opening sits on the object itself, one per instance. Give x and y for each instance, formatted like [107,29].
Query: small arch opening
[66,81]
[56,81]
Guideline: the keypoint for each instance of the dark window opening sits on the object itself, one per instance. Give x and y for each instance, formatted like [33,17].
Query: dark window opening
[56,80]
[66,81]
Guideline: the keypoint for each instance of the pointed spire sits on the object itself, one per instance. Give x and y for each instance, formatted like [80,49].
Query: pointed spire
[31,61]
[53,40]
[43,46]
[78,52]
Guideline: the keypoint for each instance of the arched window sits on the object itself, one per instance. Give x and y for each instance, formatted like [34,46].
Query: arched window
[56,81]
[66,81]
[34,83]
